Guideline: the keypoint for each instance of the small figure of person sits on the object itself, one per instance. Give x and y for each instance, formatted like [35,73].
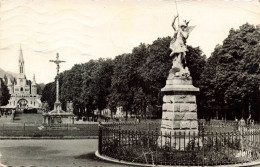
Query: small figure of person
[252,122]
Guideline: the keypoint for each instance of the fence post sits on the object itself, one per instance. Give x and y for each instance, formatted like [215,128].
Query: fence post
[156,138]
[135,126]
[161,138]
[100,140]
[67,129]
[129,138]
[46,130]
[180,136]
[170,140]
[148,139]
[228,140]
[120,133]
[3,129]
[119,136]
[241,136]
[203,151]
[41,132]
[23,129]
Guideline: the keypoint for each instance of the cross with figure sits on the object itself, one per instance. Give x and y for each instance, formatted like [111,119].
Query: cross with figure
[57,61]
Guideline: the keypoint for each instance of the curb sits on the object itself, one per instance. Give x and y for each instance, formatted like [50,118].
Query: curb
[49,138]
[254,163]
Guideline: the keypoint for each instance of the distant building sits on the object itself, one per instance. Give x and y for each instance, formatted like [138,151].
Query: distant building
[107,112]
[119,112]
[23,93]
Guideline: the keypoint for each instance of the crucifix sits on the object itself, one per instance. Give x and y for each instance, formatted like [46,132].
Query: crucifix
[57,105]
[57,61]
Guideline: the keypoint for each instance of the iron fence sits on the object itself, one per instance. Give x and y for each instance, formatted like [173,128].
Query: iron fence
[38,130]
[146,144]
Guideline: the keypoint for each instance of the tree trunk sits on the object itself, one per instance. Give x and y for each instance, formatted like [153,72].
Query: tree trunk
[99,112]
[126,115]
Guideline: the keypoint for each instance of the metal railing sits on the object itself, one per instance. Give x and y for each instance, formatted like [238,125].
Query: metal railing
[211,145]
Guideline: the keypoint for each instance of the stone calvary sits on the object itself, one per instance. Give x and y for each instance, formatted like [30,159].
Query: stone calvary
[57,115]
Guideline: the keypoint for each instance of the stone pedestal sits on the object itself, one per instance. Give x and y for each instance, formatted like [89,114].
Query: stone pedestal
[179,117]
[58,116]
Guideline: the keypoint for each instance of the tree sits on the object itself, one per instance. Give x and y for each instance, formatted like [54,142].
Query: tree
[235,84]
[101,83]
[121,82]
[196,62]
[40,88]
[71,87]
[207,87]
[128,86]
[49,94]
[87,95]
[4,94]
[138,59]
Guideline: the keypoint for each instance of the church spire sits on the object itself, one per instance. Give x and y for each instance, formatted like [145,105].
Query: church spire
[21,55]
[34,81]
[9,82]
[21,64]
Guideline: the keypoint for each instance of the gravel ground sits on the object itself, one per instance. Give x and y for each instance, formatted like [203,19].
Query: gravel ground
[51,153]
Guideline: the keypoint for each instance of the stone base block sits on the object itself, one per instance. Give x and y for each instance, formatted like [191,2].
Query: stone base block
[168,115]
[183,116]
[179,99]
[179,107]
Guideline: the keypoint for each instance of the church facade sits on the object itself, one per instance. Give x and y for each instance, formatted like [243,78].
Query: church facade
[23,93]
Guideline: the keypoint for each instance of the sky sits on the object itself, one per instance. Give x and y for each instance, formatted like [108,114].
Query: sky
[80,30]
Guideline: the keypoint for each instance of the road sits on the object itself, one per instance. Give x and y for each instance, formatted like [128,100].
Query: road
[50,153]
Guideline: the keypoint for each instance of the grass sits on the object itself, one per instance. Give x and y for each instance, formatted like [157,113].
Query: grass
[31,118]
[33,130]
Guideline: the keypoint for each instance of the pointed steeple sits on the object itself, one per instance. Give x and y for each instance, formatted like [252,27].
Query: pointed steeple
[9,82]
[34,81]
[33,87]
[21,64]
[21,55]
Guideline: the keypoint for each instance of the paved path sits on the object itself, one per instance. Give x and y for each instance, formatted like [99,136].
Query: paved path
[51,153]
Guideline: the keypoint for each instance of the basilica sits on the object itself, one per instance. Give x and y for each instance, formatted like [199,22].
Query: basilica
[23,92]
